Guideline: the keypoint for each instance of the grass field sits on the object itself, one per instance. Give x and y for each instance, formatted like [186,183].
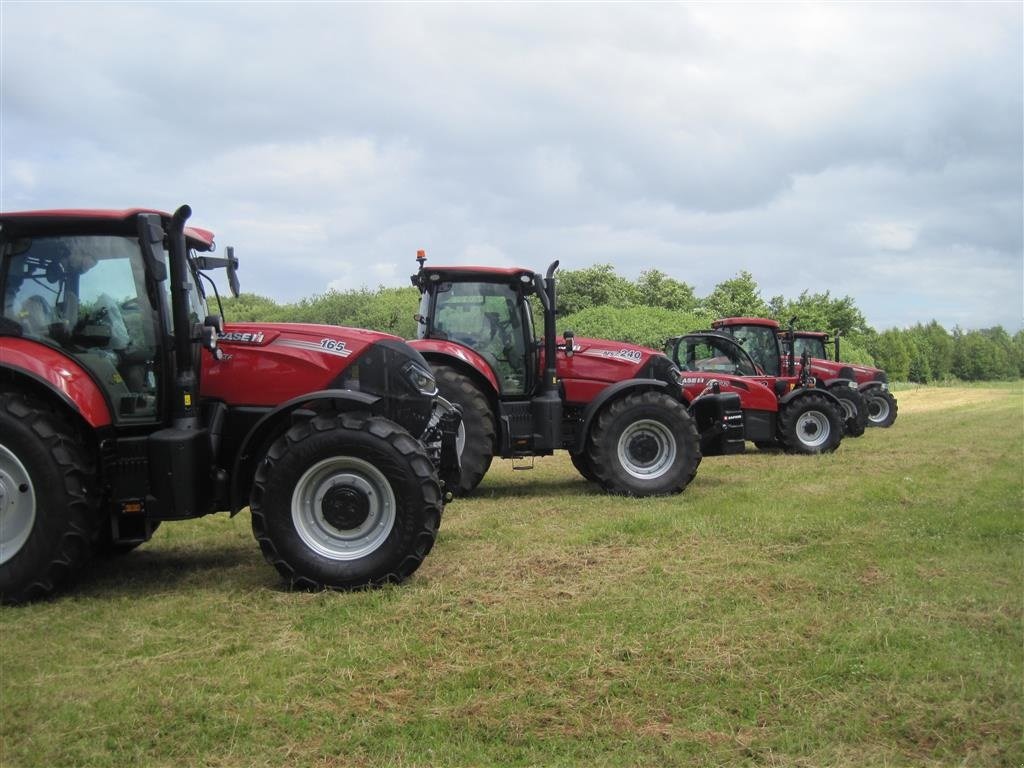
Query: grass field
[859,609]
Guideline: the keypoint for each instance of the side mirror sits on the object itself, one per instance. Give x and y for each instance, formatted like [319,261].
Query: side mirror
[233,272]
[216,322]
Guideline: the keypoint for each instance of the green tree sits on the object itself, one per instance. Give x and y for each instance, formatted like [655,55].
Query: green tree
[647,326]
[819,312]
[892,354]
[596,286]
[656,289]
[737,297]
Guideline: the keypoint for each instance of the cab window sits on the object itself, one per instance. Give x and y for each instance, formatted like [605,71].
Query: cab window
[87,295]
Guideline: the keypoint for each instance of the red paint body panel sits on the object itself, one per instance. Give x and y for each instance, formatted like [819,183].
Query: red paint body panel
[754,393]
[436,348]
[266,364]
[597,363]
[59,371]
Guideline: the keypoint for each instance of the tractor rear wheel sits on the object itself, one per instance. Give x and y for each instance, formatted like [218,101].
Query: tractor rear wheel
[810,424]
[345,501]
[644,444]
[881,407]
[475,442]
[48,511]
[855,409]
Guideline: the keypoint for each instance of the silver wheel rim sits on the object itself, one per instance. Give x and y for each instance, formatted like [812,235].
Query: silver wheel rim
[813,429]
[849,412]
[647,449]
[343,508]
[17,505]
[460,439]
[878,409]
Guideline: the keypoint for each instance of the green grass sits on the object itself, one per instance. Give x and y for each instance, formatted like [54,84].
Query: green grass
[859,609]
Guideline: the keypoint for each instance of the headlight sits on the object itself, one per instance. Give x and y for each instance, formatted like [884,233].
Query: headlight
[421,379]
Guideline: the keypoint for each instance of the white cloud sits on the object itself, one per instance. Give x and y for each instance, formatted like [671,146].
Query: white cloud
[838,147]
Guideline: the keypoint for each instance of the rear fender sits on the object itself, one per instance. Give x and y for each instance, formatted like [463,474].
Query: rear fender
[801,391]
[450,353]
[839,381]
[614,392]
[276,422]
[46,368]
[873,385]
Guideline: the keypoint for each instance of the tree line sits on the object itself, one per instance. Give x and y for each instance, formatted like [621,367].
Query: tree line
[597,302]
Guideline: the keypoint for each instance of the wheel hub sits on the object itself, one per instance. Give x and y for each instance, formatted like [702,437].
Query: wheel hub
[813,429]
[647,449]
[643,449]
[345,507]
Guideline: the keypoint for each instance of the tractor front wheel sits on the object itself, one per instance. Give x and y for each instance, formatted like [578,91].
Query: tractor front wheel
[881,406]
[48,513]
[855,409]
[810,424]
[345,501]
[475,441]
[644,444]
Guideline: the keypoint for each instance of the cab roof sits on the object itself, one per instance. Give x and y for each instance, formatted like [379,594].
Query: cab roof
[729,321]
[474,274]
[78,219]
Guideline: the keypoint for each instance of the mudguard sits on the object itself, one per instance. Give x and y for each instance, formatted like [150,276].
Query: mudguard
[66,379]
[273,423]
[607,395]
[438,351]
[800,391]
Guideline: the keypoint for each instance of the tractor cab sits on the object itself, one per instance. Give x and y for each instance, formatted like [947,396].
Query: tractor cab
[759,337]
[94,294]
[815,343]
[487,311]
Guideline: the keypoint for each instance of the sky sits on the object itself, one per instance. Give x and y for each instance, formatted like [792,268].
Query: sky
[868,150]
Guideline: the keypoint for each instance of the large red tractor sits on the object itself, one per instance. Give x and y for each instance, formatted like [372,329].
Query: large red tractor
[777,411]
[617,408]
[125,403]
[873,383]
[760,337]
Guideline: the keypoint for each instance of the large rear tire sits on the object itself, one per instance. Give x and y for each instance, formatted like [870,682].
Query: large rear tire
[344,501]
[582,463]
[48,509]
[881,406]
[810,424]
[855,409]
[644,444]
[475,442]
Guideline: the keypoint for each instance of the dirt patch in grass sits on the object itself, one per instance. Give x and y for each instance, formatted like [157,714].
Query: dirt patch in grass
[929,399]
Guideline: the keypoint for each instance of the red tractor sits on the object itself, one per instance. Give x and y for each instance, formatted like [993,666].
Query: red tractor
[760,337]
[777,411]
[617,408]
[125,403]
[873,383]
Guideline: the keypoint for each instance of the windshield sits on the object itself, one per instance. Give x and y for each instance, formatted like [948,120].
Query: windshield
[714,355]
[813,346]
[760,343]
[86,294]
[492,319]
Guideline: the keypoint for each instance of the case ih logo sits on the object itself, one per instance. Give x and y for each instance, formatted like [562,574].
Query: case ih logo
[238,337]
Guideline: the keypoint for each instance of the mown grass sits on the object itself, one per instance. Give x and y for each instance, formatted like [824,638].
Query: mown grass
[858,609]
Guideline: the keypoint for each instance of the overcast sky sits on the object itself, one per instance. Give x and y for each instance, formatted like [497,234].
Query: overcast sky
[871,150]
